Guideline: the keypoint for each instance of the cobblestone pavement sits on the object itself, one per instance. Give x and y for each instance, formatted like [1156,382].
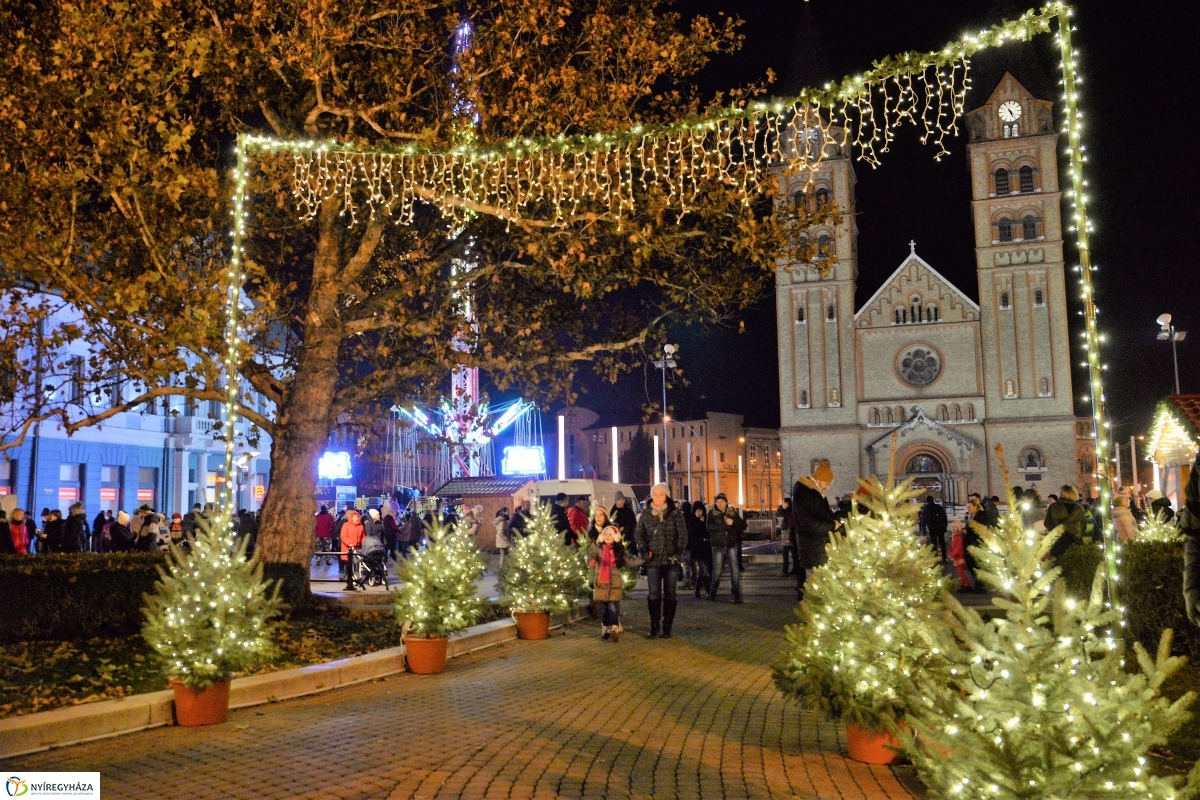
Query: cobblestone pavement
[695,716]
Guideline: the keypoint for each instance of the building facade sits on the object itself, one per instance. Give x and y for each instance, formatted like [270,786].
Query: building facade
[921,380]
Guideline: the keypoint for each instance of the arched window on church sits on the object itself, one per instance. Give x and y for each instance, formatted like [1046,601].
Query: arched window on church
[1039,299]
[931,313]
[1026,179]
[822,197]
[800,315]
[1029,227]
[830,313]
[888,416]
[1004,300]
[943,414]
[1002,183]
[957,413]
[916,308]
[874,416]
[898,312]
[899,414]
[969,413]
[901,315]
[1010,388]
[835,398]
[1005,227]
[824,247]
[800,201]
[803,398]
[1044,387]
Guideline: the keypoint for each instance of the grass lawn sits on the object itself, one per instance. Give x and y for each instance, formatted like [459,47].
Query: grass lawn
[41,675]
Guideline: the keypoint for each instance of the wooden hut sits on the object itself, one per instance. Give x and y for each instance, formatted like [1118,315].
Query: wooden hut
[491,492]
[1173,444]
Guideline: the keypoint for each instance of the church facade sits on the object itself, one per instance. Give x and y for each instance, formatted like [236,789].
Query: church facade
[922,379]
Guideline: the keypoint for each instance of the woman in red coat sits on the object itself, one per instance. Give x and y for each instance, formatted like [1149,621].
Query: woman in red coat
[352,537]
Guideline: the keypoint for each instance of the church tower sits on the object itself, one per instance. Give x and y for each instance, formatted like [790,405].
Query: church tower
[1013,156]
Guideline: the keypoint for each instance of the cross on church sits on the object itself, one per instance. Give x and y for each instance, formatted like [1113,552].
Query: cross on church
[912,247]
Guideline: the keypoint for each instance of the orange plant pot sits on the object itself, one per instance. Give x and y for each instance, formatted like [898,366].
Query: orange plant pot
[205,707]
[533,626]
[425,656]
[870,746]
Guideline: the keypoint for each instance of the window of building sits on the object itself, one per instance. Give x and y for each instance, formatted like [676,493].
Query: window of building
[672,433]
[969,413]
[957,413]
[1011,131]
[722,454]
[1026,178]
[874,416]
[916,308]
[1029,227]
[822,197]
[1039,299]
[1004,300]
[834,397]
[1002,182]
[943,414]
[76,389]
[824,246]
[901,315]
[1006,229]
[899,414]
[1010,388]
[800,200]
[888,416]
[1044,387]
[924,464]
[753,454]
[830,313]
[803,398]
[678,458]
[8,471]
[800,315]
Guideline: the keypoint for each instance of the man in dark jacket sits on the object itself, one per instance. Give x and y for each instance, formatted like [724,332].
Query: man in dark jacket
[662,537]
[520,520]
[812,522]
[1069,514]
[623,517]
[75,529]
[724,525]
[558,514]
[933,516]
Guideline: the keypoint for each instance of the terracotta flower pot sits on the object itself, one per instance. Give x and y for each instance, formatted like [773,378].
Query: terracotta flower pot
[205,707]
[535,625]
[425,656]
[870,746]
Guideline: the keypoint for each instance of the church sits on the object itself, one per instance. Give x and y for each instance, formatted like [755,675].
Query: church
[920,376]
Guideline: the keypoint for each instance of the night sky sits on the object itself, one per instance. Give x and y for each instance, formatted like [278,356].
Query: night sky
[1139,103]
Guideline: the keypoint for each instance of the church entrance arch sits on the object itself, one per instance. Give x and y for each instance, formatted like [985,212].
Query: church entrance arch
[932,470]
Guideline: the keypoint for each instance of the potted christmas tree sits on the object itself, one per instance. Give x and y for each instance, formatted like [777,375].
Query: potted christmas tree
[541,575]
[863,629]
[1040,703]
[438,595]
[209,617]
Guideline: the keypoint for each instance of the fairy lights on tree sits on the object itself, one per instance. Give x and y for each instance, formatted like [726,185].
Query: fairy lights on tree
[210,613]
[541,573]
[438,585]
[864,622]
[1039,704]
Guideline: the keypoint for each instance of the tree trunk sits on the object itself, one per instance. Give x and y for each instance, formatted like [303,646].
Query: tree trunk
[306,414]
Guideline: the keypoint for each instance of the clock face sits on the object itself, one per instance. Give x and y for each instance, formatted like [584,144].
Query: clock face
[1010,111]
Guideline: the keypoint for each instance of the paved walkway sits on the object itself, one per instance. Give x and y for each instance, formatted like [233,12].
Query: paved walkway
[695,716]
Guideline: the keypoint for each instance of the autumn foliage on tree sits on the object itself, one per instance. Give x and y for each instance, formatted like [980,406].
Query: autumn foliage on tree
[117,124]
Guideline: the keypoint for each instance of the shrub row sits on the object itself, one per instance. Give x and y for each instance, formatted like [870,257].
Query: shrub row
[73,596]
[1151,590]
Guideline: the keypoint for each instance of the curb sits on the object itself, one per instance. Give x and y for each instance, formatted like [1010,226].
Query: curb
[46,730]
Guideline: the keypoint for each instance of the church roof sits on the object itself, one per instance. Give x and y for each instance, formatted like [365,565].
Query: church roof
[809,65]
[915,274]
[917,419]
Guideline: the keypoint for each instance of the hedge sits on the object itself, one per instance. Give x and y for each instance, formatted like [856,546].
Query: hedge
[73,596]
[1151,590]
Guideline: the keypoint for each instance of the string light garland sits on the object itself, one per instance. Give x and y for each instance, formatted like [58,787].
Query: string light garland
[602,173]
[541,572]
[438,594]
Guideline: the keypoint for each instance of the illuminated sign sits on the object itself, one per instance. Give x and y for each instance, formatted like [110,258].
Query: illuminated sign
[66,493]
[108,494]
[334,466]
[260,492]
[523,461]
[145,494]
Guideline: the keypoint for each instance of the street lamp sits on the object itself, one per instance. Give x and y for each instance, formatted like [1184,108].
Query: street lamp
[1168,333]
[665,363]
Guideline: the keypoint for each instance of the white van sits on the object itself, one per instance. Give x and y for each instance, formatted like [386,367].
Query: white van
[598,492]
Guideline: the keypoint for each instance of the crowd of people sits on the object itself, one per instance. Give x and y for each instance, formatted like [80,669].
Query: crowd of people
[145,530]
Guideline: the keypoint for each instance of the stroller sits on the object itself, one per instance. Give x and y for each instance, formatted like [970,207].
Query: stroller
[370,563]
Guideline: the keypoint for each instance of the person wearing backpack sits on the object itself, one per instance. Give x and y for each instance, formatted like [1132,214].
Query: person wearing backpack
[1071,516]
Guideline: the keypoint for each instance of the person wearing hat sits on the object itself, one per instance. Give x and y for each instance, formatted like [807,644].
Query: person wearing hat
[625,518]
[812,522]
[1160,506]
[724,527]
[662,538]
[558,514]
[607,558]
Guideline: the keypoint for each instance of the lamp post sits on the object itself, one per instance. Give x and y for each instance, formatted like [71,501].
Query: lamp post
[665,363]
[1168,333]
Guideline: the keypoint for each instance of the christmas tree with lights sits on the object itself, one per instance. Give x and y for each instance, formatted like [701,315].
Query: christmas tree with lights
[1038,704]
[541,573]
[439,591]
[1156,528]
[210,613]
[864,621]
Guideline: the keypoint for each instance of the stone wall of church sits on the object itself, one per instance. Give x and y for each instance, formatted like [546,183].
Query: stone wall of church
[1052,438]
[954,344]
[803,448]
